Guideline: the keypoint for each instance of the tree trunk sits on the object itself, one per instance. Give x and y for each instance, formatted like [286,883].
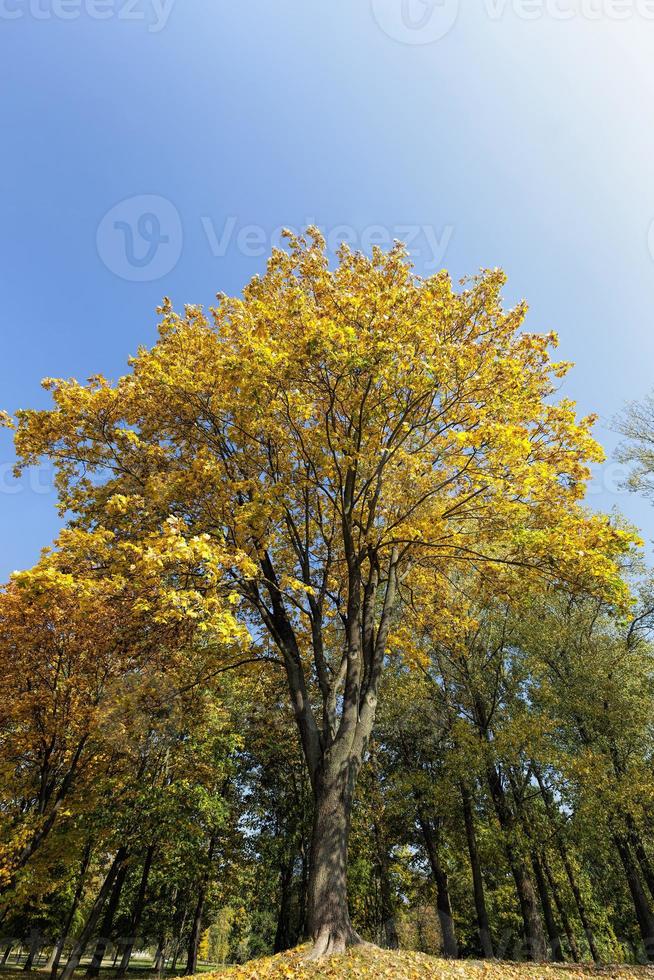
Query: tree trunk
[641,905]
[179,925]
[548,799]
[563,915]
[47,968]
[5,955]
[329,917]
[194,938]
[548,913]
[283,939]
[443,905]
[196,927]
[53,965]
[137,913]
[483,924]
[303,926]
[33,949]
[579,901]
[641,854]
[160,959]
[392,940]
[389,924]
[534,935]
[94,914]
[107,924]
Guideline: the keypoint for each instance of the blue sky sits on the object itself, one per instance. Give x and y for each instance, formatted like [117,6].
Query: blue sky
[154,147]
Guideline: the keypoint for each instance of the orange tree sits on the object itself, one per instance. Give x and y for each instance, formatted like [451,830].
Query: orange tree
[332,430]
[93,620]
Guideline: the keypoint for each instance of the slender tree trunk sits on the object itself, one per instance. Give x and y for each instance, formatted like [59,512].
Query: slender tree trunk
[329,917]
[283,933]
[641,906]
[160,959]
[5,955]
[579,901]
[387,903]
[179,924]
[548,799]
[137,913]
[47,968]
[443,905]
[642,857]
[553,933]
[196,927]
[94,915]
[194,938]
[389,924]
[70,918]
[483,924]
[303,930]
[534,935]
[107,924]
[392,940]
[563,915]
[33,949]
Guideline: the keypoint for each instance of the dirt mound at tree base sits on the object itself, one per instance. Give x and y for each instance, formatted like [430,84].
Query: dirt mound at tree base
[371,962]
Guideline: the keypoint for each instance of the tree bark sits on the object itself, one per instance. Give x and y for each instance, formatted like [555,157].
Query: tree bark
[483,925]
[443,905]
[194,938]
[640,852]
[329,917]
[107,924]
[77,897]
[534,936]
[33,949]
[283,932]
[389,924]
[563,915]
[160,959]
[546,794]
[579,901]
[302,925]
[196,927]
[392,940]
[137,913]
[94,914]
[644,915]
[548,914]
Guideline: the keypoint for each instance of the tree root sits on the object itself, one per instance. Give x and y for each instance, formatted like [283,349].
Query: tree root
[331,940]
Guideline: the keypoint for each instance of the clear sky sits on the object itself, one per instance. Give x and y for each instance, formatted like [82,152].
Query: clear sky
[154,147]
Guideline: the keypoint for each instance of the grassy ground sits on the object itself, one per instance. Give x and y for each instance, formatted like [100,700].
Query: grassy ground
[370,962]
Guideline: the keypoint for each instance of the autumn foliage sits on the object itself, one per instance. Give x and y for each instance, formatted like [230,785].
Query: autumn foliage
[338,477]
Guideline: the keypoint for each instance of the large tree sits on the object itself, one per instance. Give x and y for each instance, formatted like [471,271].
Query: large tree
[319,439]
